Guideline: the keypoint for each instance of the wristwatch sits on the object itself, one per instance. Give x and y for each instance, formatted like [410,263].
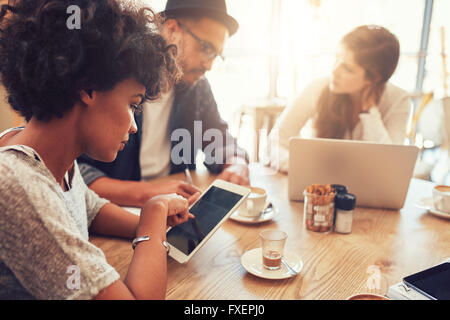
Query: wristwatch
[166,245]
[138,240]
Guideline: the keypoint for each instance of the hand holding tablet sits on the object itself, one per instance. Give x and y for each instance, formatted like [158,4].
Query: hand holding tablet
[177,207]
[211,210]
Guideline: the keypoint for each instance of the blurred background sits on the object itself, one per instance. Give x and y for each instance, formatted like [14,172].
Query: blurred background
[282,45]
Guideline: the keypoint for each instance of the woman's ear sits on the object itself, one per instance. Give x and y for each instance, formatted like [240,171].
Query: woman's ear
[87,96]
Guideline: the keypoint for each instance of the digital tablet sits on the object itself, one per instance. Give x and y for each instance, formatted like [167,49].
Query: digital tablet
[211,210]
[433,283]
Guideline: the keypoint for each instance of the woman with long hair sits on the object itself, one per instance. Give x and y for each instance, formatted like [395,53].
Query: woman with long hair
[78,89]
[356,102]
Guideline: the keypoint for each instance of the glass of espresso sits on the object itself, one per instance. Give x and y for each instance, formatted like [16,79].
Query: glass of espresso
[272,245]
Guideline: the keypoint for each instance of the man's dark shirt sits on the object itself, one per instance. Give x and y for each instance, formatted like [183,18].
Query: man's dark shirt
[191,104]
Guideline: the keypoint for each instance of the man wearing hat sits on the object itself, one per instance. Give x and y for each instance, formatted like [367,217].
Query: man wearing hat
[184,121]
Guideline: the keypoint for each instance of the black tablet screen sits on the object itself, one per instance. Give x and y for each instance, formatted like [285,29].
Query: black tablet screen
[208,212]
[434,282]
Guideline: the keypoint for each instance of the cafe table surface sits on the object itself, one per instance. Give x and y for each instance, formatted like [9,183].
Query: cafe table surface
[383,247]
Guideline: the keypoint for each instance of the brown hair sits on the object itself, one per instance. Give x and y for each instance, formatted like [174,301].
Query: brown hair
[377,51]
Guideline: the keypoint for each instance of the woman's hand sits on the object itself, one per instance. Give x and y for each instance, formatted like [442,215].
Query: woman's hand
[179,218]
[177,207]
[368,99]
[156,211]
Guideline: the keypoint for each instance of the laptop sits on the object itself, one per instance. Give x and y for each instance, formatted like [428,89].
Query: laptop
[377,174]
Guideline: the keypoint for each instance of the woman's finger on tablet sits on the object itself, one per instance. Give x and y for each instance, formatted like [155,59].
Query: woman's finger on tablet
[179,218]
[185,216]
[175,203]
[172,221]
[194,198]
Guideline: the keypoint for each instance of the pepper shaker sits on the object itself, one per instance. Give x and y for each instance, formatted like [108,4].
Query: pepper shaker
[339,188]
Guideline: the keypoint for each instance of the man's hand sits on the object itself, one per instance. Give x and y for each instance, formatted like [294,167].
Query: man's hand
[179,187]
[137,193]
[236,172]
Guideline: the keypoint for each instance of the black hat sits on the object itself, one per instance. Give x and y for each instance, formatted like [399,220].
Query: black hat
[214,9]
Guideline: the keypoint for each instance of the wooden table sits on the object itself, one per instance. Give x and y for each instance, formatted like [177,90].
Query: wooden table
[395,243]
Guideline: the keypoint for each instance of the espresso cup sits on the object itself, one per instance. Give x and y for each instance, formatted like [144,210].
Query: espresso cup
[367,296]
[441,198]
[255,202]
[272,247]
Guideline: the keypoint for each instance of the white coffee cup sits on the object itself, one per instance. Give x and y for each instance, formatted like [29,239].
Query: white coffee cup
[441,198]
[255,203]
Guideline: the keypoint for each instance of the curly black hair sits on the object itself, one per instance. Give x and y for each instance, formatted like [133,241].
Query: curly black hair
[44,64]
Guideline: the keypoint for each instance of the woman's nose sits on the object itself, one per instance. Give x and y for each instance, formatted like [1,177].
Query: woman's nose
[133,127]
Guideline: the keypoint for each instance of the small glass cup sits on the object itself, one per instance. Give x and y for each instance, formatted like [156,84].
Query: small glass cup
[318,212]
[272,244]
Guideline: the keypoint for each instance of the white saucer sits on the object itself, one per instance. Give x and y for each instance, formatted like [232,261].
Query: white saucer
[252,262]
[268,215]
[427,203]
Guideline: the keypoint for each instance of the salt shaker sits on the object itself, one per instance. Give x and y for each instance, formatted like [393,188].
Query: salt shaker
[338,188]
[345,205]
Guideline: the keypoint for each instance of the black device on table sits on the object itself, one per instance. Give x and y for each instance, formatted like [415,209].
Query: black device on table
[434,283]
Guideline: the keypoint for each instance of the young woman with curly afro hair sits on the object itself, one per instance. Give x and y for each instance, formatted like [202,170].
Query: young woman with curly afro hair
[78,89]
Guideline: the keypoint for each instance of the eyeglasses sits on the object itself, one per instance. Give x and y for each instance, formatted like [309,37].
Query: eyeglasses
[208,50]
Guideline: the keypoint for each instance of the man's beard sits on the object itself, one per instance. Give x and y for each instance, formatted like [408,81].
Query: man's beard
[191,75]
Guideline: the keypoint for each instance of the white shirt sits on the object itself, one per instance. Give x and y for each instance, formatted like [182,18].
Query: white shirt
[155,145]
[384,123]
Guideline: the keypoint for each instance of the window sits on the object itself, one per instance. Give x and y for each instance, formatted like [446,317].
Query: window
[309,31]
[434,80]
[282,45]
